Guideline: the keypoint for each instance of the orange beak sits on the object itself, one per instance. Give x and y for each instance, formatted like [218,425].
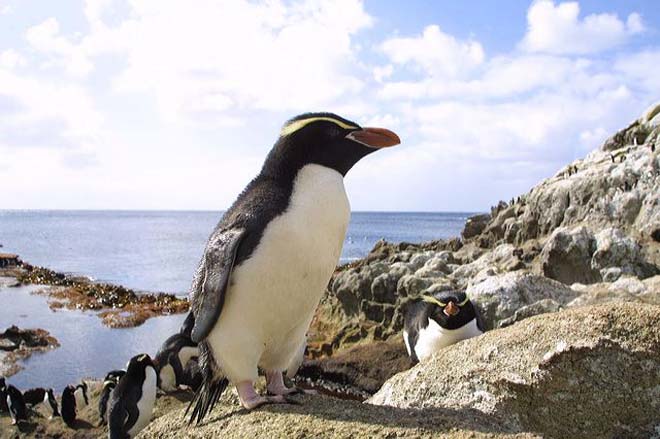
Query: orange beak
[374,137]
[451,309]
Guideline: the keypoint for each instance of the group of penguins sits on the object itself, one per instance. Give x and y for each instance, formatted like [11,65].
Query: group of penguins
[127,397]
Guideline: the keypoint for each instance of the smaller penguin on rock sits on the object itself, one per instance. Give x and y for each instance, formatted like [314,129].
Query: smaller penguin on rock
[437,321]
[39,395]
[68,403]
[173,357]
[132,401]
[16,405]
[109,384]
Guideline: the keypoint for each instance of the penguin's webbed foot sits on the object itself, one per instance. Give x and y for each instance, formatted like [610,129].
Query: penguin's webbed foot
[250,399]
[275,385]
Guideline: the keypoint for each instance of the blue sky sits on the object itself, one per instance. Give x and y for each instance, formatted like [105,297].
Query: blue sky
[156,104]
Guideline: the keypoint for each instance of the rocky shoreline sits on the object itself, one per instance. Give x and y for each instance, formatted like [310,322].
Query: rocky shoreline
[18,344]
[117,306]
[568,279]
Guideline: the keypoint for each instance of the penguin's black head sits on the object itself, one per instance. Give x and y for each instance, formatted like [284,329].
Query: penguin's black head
[451,309]
[139,362]
[324,139]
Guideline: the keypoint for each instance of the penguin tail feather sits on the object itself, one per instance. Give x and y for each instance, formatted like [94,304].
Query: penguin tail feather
[205,399]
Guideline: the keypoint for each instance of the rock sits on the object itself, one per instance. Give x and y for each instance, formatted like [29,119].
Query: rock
[625,289]
[539,307]
[591,372]
[566,256]
[500,297]
[615,250]
[474,225]
[358,371]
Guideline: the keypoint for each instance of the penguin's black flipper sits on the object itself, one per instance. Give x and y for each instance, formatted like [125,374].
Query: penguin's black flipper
[209,291]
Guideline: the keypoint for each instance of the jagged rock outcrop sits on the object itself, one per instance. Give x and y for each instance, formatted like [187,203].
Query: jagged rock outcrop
[596,220]
[591,372]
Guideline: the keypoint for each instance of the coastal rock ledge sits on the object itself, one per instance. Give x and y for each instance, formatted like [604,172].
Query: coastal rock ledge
[589,372]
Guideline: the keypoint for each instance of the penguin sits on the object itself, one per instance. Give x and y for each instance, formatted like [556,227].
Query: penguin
[39,395]
[16,405]
[109,383]
[3,396]
[132,402]
[172,358]
[68,404]
[437,321]
[81,395]
[187,325]
[192,375]
[267,263]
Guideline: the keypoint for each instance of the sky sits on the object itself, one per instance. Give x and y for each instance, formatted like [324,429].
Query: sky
[172,104]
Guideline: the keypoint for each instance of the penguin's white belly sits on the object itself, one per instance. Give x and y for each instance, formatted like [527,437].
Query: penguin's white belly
[146,403]
[167,378]
[273,294]
[434,337]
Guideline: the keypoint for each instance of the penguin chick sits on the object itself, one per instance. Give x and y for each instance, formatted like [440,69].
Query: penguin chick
[437,321]
[132,401]
[16,405]
[39,395]
[68,403]
[172,359]
[267,263]
[109,383]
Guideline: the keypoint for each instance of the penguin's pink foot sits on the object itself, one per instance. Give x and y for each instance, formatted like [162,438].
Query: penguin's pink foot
[251,399]
[275,384]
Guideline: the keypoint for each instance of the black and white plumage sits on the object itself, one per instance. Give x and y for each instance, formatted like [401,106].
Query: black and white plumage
[39,395]
[437,321]
[132,401]
[68,406]
[268,261]
[16,404]
[3,395]
[81,395]
[192,375]
[172,359]
[109,383]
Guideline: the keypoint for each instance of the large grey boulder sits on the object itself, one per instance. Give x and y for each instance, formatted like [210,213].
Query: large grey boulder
[590,372]
[513,296]
[566,256]
[474,225]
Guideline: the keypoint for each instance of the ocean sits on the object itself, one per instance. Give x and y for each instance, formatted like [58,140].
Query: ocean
[159,250]
[148,251]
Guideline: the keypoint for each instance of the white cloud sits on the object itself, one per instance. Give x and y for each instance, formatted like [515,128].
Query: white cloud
[558,29]
[11,59]
[434,52]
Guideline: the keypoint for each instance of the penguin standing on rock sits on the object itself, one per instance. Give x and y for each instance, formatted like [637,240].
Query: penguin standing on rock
[16,405]
[39,395]
[109,383]
[268,261]
[132,401]
[172,359]
[437,321]
[68,403]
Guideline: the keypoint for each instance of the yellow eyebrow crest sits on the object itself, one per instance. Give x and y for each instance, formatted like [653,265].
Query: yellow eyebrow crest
[433,300]
[299,124]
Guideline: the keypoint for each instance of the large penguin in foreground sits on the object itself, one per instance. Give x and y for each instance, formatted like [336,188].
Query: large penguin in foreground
[268,261]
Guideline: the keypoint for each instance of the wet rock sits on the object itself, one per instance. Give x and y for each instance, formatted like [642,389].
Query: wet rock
[17,344]
[590,372]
